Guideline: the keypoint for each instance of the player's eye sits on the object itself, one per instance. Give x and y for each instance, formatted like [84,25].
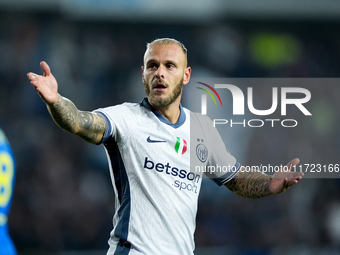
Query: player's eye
[152,65]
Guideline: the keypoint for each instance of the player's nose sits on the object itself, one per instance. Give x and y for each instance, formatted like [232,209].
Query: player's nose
[160,72]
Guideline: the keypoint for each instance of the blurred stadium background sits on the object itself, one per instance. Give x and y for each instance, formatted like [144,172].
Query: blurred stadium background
[63,199]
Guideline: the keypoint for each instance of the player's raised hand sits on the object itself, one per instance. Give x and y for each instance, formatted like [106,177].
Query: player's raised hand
[285,178]
[46,85]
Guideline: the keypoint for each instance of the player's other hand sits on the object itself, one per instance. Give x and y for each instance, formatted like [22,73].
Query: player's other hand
[46,85]
[285,178]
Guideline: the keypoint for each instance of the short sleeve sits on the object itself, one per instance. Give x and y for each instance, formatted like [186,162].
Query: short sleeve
[110,127]
[119,120]
[222,165]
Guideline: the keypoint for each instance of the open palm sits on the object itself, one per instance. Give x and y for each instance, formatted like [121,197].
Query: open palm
[285,178]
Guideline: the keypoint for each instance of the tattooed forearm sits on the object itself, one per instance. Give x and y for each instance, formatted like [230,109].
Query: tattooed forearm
[250,184]
[93,126]
[87,125]
[64,113]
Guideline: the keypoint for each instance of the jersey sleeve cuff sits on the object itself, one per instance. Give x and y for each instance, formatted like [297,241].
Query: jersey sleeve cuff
[228,176]
[108,129]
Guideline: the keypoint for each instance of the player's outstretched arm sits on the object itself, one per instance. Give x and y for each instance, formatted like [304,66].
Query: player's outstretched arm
[253,184]
[87,125]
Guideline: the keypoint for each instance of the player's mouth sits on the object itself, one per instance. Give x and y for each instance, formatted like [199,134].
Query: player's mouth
[159,87]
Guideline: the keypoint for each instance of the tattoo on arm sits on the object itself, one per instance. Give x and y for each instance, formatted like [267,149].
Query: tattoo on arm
[251,184]
[87,125]
[93,126]
[64,113]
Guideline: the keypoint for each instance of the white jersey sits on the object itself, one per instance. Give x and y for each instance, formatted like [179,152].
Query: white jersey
[155,177]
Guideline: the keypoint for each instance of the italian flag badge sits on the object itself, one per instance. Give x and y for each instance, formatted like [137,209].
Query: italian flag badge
[181,146]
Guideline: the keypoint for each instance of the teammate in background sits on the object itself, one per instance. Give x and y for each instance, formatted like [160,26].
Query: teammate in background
[148,147]
[7,175]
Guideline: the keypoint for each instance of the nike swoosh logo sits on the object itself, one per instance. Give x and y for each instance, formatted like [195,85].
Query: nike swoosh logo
[154,141]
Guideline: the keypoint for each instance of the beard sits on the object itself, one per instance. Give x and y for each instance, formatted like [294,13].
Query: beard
[164,102]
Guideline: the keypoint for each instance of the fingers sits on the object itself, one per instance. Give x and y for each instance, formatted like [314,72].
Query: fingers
[45,68]
[293,179]
[293,163]
[284,179]
[295,175]
[289,170]
[33,78]
[290,182]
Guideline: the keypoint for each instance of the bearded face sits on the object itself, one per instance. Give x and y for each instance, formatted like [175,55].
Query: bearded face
[164,74]
[154,95]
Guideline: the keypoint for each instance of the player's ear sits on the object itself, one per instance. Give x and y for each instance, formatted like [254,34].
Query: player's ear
[187,73]
[142,68]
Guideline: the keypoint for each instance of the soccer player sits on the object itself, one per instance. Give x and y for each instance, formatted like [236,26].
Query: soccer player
[148,147]
[7,175]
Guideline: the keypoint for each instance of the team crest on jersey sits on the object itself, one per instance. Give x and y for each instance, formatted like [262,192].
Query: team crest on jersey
[201,151]
[181,146]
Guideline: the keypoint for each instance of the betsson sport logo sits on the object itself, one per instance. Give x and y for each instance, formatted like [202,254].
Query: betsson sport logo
[183,180]
[238,105]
